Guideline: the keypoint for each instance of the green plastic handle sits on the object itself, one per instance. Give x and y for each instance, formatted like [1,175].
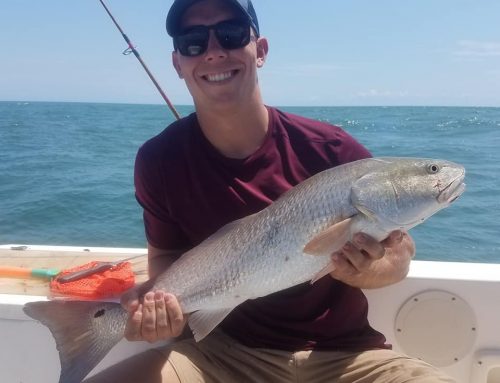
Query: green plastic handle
[44,273]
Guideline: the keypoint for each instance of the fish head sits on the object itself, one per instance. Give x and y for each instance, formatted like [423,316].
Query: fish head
[406,191]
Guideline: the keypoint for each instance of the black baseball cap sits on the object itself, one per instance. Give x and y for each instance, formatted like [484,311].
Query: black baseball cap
[180,6]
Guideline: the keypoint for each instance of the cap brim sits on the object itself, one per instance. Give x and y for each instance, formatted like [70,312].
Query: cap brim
[177,10]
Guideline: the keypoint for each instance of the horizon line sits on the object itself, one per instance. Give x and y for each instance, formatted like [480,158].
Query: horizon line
[277,106]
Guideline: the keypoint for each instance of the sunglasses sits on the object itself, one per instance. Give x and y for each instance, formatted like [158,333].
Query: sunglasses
[231,34]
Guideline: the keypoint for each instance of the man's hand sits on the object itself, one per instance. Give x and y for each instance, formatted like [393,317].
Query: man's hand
[366,263]
[157,316]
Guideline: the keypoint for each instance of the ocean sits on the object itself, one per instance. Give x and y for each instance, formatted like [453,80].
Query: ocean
[66,170]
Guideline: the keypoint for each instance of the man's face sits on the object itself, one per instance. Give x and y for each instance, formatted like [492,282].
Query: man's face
[219,77]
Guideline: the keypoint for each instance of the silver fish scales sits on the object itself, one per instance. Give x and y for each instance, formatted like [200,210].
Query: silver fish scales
[283,245]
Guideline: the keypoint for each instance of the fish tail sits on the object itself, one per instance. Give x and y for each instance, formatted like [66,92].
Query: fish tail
[84,332]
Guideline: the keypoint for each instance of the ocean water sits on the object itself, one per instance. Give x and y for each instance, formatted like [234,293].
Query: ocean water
[66,170]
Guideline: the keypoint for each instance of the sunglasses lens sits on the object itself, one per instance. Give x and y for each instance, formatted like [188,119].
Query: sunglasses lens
[192,43]
[233,35]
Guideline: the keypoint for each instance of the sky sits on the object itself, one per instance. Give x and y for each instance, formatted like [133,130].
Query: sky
[322,52]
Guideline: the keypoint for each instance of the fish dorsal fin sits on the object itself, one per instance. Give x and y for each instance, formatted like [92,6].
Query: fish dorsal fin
[331,239]
[202,322]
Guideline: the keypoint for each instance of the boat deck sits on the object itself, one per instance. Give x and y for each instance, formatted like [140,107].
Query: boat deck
[59,260]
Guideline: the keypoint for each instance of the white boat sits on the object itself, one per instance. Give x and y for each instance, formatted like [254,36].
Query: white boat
[446,313]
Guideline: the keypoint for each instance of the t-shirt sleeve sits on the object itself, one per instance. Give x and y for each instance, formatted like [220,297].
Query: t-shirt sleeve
[161,230]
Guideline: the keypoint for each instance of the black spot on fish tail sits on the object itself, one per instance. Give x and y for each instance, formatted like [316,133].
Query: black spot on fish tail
[99,313]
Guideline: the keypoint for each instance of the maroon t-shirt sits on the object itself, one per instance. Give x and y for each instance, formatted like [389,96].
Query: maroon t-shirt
[189,190]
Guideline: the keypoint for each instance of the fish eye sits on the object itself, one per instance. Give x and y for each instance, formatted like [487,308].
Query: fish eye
[433,168]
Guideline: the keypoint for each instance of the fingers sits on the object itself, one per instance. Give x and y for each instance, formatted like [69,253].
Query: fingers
[134,324]
[394,238]
[170,320]
[342,267]
[148,328]
[366,263]
[162,322]
[358,256]
[158,317]
[130,300]
[176,318]
[351,259]
[369,246]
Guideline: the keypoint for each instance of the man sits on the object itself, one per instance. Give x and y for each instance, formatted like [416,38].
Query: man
[232,158]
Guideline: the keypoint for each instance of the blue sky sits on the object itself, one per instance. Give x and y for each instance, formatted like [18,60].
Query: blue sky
[322,52]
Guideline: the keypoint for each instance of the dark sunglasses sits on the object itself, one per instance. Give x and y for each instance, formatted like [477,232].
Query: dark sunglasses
[231,34]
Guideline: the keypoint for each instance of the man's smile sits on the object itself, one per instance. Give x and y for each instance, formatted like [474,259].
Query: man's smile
[219,77]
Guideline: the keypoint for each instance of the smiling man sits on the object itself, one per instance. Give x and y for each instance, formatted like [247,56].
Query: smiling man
[229,159]
[218,53]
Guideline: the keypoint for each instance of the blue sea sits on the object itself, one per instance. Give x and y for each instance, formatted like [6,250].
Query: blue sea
[66,170]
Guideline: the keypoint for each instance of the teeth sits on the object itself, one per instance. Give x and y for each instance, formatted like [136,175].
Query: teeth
[219,76]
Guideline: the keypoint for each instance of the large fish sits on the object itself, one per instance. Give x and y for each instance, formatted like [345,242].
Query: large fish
[285,244]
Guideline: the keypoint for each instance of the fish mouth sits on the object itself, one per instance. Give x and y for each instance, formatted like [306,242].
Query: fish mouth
[454,190]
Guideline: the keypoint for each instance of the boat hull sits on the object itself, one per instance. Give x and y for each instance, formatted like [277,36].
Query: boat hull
[450,305]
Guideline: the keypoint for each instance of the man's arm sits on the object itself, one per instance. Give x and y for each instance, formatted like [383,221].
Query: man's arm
[154,315]
[369,264]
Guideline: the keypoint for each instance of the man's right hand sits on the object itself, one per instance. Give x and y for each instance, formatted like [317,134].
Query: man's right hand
[157,316]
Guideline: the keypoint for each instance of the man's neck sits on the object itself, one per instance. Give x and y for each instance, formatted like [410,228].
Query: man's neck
[236,132]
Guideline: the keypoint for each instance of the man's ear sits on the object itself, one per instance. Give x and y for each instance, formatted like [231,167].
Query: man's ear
[262,50]
[175,63]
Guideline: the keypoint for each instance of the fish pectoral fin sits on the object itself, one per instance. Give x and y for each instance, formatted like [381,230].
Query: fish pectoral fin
[202,322]
[370,214]
[324,271]
[331,239]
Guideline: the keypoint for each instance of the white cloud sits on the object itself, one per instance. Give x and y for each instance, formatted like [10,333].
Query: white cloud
[477,49]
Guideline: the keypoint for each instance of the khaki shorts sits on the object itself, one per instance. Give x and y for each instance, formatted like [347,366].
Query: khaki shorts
[219,358]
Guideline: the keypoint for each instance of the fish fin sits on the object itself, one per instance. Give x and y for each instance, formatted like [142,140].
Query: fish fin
[331,239]
[370,214]
[202,322]
[324,271]
[84,332]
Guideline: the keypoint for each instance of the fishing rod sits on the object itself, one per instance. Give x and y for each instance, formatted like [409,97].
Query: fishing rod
[131,49]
